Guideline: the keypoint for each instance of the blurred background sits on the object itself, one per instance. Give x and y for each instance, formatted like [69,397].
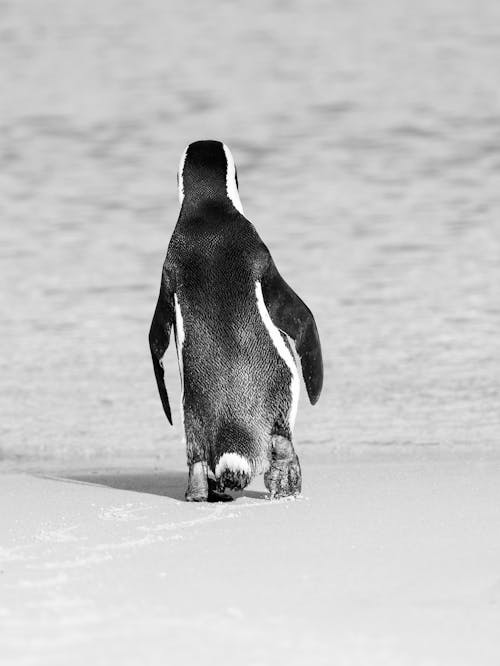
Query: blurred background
[367,140]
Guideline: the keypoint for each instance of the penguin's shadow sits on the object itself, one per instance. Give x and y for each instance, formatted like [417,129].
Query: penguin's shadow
[166,484]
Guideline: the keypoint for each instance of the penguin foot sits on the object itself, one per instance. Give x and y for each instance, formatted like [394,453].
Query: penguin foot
[283,478]
[197,490]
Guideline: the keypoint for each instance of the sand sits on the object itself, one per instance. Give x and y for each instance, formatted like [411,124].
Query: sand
[377,563]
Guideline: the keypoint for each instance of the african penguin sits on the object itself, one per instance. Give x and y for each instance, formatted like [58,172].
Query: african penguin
[233,316]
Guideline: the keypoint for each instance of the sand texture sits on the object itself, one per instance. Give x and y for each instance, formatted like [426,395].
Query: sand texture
[377,563]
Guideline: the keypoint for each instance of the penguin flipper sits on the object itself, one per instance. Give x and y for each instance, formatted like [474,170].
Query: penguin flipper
[292,316]
[159,338]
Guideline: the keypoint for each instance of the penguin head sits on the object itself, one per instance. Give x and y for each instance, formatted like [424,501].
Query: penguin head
[207,173]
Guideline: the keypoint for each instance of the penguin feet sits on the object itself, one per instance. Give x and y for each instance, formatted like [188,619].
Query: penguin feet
[201,488]
[283,478]
[197,490]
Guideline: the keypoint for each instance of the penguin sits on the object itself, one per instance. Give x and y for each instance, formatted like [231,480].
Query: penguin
[235,320]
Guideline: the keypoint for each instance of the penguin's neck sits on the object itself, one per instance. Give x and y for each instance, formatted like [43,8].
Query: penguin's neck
[207,207]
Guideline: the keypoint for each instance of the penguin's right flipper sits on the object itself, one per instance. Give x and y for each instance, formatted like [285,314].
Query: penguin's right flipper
[292,316]
[159,336]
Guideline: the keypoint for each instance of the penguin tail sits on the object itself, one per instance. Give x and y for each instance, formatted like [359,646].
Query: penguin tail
[234,459]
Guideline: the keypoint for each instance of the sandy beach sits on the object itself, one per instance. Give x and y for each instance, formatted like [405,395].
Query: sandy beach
[377,563]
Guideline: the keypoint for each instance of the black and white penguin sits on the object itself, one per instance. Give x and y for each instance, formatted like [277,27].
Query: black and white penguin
[233,316]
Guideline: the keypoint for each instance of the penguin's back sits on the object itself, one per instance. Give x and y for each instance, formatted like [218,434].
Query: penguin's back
[233,375]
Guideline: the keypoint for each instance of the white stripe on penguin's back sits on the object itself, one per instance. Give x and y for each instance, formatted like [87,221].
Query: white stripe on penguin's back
[179,340]
[283,351]
[180,179]
[231,187]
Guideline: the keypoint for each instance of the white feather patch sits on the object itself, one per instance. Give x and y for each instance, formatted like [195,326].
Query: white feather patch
[231,187]
[234,462]
[180,179]
[179,340]
[283,351]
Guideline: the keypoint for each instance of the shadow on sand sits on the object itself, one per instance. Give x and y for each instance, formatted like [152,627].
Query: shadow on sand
[167,484]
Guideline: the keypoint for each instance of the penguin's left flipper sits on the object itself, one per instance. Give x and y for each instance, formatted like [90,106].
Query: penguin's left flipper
[292,316]
[159,336]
